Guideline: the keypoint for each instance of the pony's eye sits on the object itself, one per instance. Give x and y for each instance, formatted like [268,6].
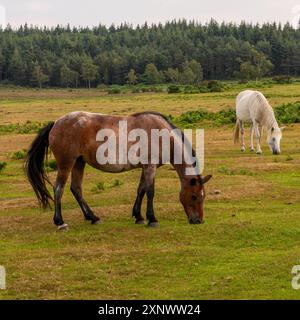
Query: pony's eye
[274,139]
[194,198]
[193,182]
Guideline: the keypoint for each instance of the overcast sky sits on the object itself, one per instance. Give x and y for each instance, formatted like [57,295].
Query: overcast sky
[93,12]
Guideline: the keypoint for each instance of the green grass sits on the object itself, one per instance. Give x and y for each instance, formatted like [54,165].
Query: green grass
[245,250]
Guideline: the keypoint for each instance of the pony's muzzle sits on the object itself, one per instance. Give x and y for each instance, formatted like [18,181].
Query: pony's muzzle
[196,221]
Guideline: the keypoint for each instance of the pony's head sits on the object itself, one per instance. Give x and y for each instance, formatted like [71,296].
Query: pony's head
[273,140]
[192,196]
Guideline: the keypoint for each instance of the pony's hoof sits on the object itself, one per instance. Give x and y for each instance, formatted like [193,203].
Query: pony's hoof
[259,152]
[243,149]
[140,222]
[252,150]
[96,222]
[153,224]
[63,227]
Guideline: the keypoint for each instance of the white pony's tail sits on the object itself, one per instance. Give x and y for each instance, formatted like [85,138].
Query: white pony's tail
[237,132]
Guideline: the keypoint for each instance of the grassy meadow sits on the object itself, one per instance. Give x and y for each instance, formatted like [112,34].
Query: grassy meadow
[245,250]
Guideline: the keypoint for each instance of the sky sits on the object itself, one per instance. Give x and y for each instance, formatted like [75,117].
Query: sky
[94,12]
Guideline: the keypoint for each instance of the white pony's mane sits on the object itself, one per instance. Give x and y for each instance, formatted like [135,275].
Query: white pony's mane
[268,117]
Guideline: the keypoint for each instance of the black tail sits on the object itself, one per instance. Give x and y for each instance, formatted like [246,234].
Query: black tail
[34,166]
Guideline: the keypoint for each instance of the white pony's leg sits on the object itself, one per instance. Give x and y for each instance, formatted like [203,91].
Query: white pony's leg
[260,128]
[243,148]
[257,135]
[251,137]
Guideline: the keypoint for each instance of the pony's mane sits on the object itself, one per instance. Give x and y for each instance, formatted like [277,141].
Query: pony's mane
[169,122]
[262,99]
[156,114]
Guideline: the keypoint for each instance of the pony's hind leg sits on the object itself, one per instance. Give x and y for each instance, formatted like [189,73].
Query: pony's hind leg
[149,174]
[136,211]
[76,189]
[61,179]
[243,148]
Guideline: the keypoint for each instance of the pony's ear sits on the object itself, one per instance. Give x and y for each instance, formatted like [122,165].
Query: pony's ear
[282,128]
[206,178]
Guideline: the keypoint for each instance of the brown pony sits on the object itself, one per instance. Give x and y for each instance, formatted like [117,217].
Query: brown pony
[72,139]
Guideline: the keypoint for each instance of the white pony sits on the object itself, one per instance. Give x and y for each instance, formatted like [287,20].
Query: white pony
[253,106]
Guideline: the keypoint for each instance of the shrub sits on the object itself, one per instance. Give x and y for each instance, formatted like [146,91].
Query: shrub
[225,116]
[101,186]
[102,87]
[288,113]
[215,86]
[135,90]
[245,172]
[225,170]
[210,86]
[221,117]
[174,89]
[18,155]
[138,89]
[243,84]
[116,183]
[2,166]
[25,128]
[114,91]
[191,89]
[155,89]
[145,89]
[284,79]
[203,89]
[194,116]
[171,118]
[51,165]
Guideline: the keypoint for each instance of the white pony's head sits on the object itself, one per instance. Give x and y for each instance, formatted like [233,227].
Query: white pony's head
[273,140]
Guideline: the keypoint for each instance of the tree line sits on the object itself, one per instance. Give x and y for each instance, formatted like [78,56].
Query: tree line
[176,52]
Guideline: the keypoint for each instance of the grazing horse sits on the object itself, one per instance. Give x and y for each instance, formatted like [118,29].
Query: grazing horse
[72,140]
[253,106]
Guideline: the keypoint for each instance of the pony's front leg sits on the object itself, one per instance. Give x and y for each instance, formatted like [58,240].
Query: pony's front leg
[257,135]
[149,174]
[76,189]
[136,211]
[251,137]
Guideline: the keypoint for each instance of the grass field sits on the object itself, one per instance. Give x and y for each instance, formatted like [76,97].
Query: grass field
[246,249]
